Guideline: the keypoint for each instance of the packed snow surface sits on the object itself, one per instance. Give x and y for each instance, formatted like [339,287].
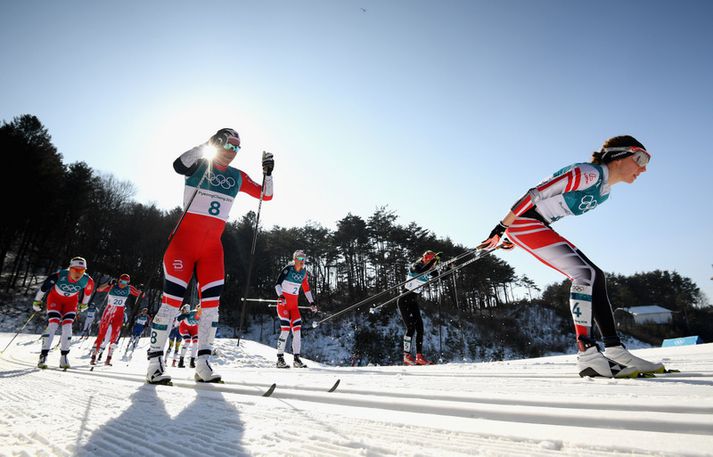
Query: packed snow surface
[524,407]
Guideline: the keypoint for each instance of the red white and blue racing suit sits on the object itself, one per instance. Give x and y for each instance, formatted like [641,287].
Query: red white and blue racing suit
[288,285]
[62,301]
[573,190]
[196,245]
[113,315]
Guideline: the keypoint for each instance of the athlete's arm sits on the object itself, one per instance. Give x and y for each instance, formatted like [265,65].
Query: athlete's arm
[253,189]
[280,278]
[307,291]
[47,285]
[188,162]
[88,291]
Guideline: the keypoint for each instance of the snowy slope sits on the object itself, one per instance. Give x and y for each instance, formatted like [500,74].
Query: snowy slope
[524,407]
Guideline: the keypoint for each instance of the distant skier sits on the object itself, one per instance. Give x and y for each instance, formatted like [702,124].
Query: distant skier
[575,190]
[113,315]
[288,284]
[142,320]
[408,306]
[188,328]
[210,189]
[63,289]
[174,340]
[89,316]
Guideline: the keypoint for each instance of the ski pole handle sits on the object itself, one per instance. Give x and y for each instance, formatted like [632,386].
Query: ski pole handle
[300,307]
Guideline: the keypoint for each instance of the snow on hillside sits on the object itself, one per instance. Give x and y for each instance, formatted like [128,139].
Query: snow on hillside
[524,407]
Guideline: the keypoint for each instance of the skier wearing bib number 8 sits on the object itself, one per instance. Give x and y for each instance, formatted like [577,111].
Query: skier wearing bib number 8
[575,190]
[211,187]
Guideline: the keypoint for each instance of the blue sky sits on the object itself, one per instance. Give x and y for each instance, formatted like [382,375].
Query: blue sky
[445,111]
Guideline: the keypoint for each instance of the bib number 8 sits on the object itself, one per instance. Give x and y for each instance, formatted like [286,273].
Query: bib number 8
[214,209]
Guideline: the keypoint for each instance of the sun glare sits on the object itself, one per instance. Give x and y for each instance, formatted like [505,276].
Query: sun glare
[209,152]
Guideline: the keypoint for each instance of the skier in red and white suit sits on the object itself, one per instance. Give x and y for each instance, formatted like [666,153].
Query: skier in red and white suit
[573,191]
[113,314]
[288,284]
[211,186]
[63,290]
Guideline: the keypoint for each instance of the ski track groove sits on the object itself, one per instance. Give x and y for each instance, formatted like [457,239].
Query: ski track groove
[354,436]
[456,409]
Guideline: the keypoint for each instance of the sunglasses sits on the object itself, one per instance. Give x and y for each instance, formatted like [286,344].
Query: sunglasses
[301,259]
[78,269]
[641,157]
[231,147]
[123,282]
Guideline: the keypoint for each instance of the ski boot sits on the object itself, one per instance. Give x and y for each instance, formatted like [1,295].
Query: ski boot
[156,371]
[180,363]
[174,363]
[421,360]
[592,363]
[281,362]
[620,355]
[107,362]
[93,360]
[42,363]
[99,357]
[408,359]
[63,360]
[204,372]
[193,362]
[297,362]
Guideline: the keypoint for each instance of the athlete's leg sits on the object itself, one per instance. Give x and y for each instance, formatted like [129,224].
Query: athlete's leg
[178,264]
[416,313]
[556,252]
[116,324]
[404,304]
[210,272]
[295,324]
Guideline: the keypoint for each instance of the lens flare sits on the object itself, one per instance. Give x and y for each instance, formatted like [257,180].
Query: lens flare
[209,152]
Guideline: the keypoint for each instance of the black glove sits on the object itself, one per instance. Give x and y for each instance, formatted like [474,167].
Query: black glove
[112,282]
[221,137]
[268,163]
[498,230]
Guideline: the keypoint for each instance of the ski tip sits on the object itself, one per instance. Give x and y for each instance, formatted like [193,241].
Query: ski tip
[334,387]
[270,390]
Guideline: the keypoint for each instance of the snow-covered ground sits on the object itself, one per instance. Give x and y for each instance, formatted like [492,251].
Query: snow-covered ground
[524,407]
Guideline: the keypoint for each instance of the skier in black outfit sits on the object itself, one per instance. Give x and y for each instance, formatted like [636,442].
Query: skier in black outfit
[408,306]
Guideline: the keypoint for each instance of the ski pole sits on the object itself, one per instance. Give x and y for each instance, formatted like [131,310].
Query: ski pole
[18,332]
[252,256]
[444,274]
[476,253]
[300,307]
[261,300]
[394,287]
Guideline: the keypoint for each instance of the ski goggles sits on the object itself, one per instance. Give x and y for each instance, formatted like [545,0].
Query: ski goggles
[231,147]
[123,282]
[641,156]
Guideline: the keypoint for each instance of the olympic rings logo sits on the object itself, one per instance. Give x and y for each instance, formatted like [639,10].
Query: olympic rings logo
[69,288]
[588,203]
[220,180]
